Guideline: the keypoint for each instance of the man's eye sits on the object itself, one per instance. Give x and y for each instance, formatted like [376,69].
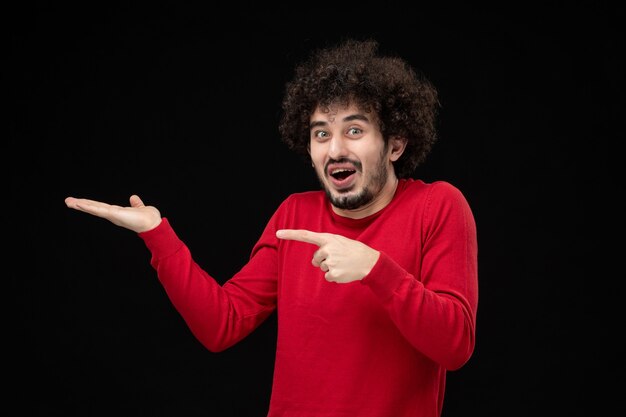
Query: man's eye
[354,131]
[320,134]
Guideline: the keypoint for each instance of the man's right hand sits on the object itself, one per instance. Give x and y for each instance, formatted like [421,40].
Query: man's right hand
[138,217]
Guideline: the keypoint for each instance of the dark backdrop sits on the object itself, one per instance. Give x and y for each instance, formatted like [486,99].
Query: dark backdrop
[180,105]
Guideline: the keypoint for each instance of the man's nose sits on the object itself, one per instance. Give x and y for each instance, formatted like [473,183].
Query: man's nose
[337,148]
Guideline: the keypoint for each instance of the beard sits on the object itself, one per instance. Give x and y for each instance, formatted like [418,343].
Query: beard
[351,202]
[372,186]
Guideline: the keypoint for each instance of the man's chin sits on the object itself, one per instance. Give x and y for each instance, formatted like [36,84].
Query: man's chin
[347,201]
[345,194]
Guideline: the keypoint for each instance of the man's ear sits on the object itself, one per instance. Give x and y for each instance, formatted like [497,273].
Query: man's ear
[397,145]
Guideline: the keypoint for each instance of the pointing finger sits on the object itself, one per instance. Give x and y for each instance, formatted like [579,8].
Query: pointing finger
[302,236]
[85,204]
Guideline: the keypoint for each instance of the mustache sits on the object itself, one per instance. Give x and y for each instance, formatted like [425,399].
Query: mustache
[356,164]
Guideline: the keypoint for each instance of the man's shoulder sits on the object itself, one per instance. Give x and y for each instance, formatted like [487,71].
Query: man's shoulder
[436,186]
[438,192]
[305,198]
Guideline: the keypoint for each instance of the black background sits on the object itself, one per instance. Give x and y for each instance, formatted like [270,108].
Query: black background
[180,105]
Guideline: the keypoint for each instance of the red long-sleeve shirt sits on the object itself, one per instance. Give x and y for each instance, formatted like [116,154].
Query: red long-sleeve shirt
[376,347]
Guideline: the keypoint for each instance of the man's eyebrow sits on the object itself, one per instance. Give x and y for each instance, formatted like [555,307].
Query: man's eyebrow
[356,117]
[317,124]
[345,119]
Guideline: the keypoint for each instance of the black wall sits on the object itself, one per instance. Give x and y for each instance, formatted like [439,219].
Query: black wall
[180,105]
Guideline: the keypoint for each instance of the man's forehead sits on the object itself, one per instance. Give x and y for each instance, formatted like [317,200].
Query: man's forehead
[346,112]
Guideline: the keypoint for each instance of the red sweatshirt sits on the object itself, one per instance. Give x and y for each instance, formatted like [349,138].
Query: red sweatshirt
[376,347]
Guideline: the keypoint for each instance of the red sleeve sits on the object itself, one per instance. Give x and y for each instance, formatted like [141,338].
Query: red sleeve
[437,312]
[219,316]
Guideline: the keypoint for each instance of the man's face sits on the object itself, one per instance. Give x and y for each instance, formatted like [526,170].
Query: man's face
[350,157]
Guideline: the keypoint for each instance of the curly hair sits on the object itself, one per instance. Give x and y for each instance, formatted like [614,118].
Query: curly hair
[404,102]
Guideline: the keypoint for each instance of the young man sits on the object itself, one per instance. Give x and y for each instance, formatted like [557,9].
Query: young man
[374,277]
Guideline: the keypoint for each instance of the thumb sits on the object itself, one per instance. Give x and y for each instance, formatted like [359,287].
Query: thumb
[135,201]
